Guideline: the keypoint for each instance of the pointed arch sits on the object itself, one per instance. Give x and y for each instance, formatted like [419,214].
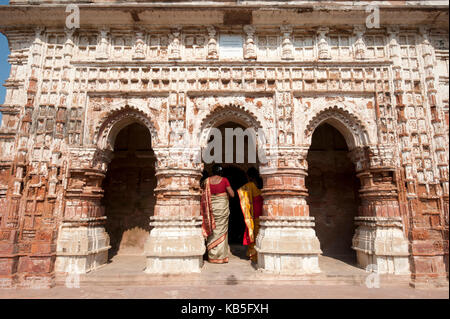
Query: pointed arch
[113,122]
[349,125]
[227,113]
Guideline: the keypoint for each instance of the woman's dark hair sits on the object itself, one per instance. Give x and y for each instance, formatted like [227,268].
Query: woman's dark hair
[253,174]
[205,175]
[217,170]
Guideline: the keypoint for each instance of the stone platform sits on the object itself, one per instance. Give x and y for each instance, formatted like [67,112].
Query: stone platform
[128,270]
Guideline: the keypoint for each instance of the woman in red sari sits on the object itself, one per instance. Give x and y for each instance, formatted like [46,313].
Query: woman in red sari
[251,205]
[215,212]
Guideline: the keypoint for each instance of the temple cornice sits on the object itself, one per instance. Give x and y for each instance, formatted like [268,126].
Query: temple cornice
[260,13]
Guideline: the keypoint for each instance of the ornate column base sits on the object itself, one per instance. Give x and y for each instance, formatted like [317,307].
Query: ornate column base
[174,246]
[81,247]
[288,245]
[381,245]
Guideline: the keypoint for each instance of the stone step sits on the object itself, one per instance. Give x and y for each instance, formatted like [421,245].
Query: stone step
[232,279]
[125,270]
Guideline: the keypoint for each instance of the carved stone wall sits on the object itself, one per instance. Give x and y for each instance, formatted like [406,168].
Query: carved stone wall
[71,92]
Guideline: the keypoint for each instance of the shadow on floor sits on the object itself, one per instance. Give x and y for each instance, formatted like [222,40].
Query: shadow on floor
[348,258]
[239,251]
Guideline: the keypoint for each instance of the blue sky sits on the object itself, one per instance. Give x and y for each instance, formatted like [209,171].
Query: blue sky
[4,65]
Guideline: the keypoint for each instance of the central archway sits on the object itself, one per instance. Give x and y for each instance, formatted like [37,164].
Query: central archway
[235,172]
[234,116]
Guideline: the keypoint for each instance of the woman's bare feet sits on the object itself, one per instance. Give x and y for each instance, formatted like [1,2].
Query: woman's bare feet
[218,261]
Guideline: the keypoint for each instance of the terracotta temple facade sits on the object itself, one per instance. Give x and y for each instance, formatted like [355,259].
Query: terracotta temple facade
[103,125]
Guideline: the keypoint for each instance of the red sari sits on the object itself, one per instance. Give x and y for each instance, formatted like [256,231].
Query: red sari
[209,223]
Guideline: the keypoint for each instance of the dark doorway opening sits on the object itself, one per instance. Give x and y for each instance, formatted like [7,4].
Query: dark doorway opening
[236,226]
[236,173]
[333,192]
[129,183]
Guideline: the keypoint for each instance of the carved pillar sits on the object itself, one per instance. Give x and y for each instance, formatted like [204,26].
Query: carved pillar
[66,95]
[176,243]
[287,242]
[139,46]
[212,44]
[287,48]
[379,239]
[83,243]
[322,44]
[394,53]
[174,46]
[103,45]
[360,46]
[249,47]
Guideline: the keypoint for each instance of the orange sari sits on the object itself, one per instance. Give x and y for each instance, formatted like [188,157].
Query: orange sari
[251,205]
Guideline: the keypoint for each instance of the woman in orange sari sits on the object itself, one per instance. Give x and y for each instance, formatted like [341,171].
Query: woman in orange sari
[251,205]
[215,211]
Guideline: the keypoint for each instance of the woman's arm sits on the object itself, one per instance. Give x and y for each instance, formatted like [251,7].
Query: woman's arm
[230,191]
